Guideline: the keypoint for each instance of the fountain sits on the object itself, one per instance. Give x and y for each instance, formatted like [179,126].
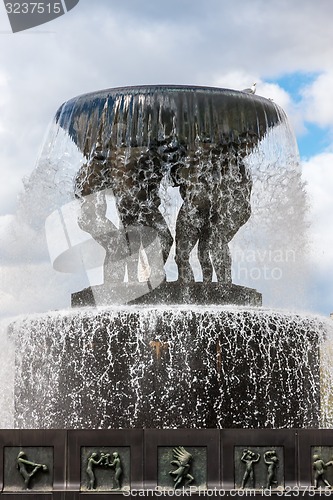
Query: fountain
[167,204]
[164,181]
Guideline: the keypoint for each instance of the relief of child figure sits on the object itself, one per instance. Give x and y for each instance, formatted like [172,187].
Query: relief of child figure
[319,468]
[250,458]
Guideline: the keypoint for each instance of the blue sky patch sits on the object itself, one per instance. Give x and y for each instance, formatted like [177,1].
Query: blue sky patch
[293,83]
[314,141]
[316,138]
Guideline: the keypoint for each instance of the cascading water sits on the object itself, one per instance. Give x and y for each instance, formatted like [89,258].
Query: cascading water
[268,251]
[169,367]
[145,185]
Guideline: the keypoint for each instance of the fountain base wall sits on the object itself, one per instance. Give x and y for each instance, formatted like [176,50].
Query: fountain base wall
[167,367]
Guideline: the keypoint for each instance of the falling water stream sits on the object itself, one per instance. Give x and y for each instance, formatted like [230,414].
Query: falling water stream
[269,250]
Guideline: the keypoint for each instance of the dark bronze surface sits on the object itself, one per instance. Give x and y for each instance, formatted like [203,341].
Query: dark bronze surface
[314,442]
[137,139]
[128,442]
[213,456]
[28,468]
[168,293]
[215,106]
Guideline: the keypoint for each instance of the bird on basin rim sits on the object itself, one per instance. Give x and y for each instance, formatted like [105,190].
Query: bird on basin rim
[251,90]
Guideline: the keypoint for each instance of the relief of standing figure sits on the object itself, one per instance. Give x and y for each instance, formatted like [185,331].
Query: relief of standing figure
[118,470]
[92,462]
[271,460]
[105,461]
[250,459]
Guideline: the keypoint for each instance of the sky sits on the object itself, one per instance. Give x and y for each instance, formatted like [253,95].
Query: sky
[283,46]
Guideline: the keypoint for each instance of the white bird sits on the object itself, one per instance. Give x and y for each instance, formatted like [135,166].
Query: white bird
[251,90]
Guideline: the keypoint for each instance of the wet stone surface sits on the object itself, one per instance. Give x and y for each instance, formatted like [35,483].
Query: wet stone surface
[216,367]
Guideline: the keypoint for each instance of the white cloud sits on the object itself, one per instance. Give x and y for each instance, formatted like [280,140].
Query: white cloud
[28,283]
[236,79]
[32,288]
[318,173]
[318,102]
[19,242]
[284,100]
